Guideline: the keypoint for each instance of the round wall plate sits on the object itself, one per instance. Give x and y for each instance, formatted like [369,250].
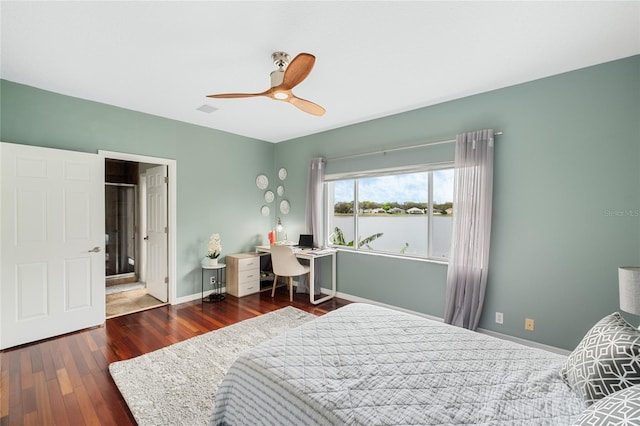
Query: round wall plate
[282,173]
[285,207]
[268,196]
[280,190]
[265,210]
[262,182]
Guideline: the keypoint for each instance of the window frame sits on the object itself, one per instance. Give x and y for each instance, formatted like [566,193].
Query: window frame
[329,208]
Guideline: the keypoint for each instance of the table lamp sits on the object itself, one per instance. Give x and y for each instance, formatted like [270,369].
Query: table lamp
[629,285]
[279,228]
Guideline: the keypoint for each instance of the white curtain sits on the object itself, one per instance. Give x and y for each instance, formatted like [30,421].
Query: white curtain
[472,202]
[313,216]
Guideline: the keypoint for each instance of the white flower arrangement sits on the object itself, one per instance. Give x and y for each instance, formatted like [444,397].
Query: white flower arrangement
[215,247]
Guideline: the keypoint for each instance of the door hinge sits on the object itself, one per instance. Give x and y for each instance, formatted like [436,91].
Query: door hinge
[166,229]
[166,179]
[166,280]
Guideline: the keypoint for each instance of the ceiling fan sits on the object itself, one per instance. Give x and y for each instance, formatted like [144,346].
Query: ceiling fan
[288,75]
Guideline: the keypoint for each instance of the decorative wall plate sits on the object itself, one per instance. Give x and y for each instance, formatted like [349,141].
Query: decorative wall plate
[265,210]
[268,196]
[282,173]
[280,190]
[262,182]
[285,207]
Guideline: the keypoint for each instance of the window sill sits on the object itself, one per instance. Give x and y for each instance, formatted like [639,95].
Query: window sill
[392,256]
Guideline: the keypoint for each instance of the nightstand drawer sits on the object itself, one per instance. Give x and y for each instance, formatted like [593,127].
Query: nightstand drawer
[248,263]
[249,275]
[247,288]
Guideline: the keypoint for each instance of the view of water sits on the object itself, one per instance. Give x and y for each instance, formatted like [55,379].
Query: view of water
[400,230]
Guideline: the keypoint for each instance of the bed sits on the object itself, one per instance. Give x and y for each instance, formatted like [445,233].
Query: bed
[369,365]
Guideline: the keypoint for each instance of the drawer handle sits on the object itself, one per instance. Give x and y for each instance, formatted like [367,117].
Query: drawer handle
[250,276]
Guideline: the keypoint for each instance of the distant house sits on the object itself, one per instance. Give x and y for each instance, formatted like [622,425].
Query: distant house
[378,210]
[449,210]
[396,210]
[415,210]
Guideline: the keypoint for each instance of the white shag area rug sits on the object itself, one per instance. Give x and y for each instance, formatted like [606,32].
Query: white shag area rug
[176,385]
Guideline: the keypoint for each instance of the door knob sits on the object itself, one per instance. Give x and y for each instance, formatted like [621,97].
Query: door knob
[146,238]
[96,249]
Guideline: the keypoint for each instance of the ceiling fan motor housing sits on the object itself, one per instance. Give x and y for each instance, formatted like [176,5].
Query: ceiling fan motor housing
[276,77]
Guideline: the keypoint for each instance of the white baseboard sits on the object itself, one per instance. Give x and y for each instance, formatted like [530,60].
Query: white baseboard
[480,330]
[194,296]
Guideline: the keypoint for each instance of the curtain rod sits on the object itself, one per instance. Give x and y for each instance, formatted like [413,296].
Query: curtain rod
[402,148]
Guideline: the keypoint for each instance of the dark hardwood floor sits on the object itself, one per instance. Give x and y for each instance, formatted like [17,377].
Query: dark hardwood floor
[66,381]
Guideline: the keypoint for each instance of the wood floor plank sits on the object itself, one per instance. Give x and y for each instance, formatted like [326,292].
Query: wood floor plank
[25,370]
[97,401]
[57,403]
[72,409]
[66,381]
[4,393]
[48,365]
[66,387]
[43,404]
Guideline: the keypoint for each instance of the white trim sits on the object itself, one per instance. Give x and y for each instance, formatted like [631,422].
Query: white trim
[171,214]
[524,342]
[400,170]
[196,296]
[358,299]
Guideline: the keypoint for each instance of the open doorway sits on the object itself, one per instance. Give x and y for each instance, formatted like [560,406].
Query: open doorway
[138,255]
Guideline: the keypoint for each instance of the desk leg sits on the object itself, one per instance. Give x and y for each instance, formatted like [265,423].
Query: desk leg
[312,280]
[333,282]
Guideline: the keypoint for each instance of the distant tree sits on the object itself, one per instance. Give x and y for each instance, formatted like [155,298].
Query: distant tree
[343,207]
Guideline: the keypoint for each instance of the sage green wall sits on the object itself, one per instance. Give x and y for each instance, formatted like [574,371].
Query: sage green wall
[216,171]
[565,168]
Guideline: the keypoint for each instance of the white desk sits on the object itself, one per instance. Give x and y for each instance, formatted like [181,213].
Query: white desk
[312,255]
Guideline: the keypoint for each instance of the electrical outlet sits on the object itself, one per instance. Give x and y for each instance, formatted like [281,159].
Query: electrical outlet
[529,324]
[499,317]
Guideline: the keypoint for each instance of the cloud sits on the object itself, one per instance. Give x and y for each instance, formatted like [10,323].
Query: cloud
[398,188]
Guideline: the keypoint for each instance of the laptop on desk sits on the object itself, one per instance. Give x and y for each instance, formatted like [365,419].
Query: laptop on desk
[305,241]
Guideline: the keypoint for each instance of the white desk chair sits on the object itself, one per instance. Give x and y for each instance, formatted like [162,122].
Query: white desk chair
[285,264]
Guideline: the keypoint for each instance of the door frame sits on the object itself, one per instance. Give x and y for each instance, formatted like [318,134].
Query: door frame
[171,209]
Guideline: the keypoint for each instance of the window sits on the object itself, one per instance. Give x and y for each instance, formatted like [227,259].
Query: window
[404,213]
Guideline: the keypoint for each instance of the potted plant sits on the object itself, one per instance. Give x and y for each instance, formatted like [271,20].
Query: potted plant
[213,250]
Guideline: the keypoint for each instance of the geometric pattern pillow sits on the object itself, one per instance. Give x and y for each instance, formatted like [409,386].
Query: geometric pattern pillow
[620,408]
[605,361]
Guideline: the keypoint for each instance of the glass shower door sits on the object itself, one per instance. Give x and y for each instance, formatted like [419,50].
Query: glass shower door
[120,238]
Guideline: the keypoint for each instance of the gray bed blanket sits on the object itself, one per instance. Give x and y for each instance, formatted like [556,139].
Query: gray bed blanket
[367,365]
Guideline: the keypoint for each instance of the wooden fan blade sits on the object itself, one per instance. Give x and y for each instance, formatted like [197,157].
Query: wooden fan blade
[297,71]
[306,106]
[239,95]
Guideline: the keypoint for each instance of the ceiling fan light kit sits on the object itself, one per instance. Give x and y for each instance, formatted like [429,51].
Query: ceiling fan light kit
[288,75]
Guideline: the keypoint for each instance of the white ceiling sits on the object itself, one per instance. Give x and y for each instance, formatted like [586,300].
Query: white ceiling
[372,58]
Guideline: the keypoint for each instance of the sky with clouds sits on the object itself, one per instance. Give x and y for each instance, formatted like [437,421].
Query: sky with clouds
[399,188]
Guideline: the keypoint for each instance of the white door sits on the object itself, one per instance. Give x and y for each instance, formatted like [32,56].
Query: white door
[52,261]
[157,277]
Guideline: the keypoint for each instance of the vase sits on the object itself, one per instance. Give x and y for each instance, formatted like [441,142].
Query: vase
[207,261]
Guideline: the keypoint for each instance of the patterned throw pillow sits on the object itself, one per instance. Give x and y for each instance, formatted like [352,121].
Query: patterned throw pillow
[605,361]
[620,408]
